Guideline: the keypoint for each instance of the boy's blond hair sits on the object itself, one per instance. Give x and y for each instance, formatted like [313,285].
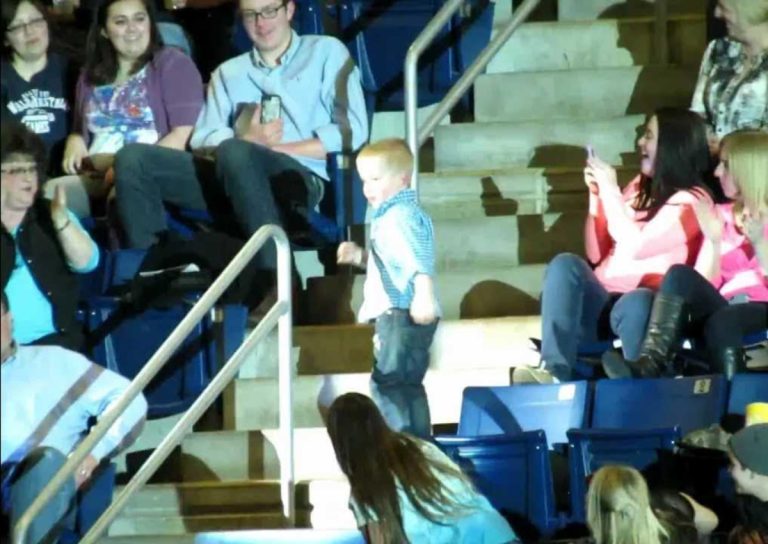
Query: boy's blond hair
[393,152]
[753,12]
[747,153]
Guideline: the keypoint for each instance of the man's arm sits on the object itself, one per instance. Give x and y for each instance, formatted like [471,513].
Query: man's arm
[312,148]
[342,97]
[213,125]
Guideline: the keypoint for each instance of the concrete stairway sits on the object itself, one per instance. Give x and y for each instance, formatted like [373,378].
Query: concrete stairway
[506,195]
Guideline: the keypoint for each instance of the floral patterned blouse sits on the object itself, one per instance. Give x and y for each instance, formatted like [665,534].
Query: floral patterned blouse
[732,90]
[120,114]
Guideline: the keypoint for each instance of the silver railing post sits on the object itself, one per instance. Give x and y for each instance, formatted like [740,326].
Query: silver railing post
[416,136]
[410,67]
[280,313]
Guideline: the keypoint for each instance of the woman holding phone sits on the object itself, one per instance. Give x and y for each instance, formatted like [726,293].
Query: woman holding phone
[132,89]
[632,237]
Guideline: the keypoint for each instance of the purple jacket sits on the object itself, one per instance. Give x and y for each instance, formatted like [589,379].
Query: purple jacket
[175,93]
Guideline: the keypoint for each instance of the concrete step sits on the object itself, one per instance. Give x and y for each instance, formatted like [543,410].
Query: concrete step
[535,143]
[252,404]
[582,94]
[464,294]
[505,240]
[569,10]
[514,191]
[598,44]
[458,345]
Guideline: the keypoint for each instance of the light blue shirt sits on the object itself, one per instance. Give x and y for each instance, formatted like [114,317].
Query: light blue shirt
[402,245]
[42,381]
[320,92]
[477,523]
[32,312]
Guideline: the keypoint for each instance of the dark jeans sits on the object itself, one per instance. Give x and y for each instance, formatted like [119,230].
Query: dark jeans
[29,478]
[401,359]
[256,185]
[575,307]
[716,323]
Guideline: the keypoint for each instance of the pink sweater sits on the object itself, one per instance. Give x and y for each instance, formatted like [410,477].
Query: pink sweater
[631,253]
[740,271]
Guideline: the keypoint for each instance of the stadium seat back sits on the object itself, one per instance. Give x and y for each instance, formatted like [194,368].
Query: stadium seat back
[746,389]
[590,449]
[512,471]
[513,409]
[690,403]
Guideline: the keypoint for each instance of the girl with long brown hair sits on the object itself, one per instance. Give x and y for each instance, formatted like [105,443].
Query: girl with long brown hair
[404,489]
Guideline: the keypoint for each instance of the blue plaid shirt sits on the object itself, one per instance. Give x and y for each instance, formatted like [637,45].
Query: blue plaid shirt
[402,245]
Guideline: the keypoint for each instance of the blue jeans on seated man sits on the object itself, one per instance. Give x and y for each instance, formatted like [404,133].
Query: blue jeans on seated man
[401,358]
[576,308]
[250,183]
[26,482]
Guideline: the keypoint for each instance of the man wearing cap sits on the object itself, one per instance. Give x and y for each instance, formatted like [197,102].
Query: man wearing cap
[748,453]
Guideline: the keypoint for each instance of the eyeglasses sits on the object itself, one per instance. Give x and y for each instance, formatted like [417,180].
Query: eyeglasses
[250,16]
[34,24]
[18,171]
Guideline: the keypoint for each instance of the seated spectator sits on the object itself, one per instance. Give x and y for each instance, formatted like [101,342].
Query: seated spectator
[48,396]
[132,89]
[632,238]
[730,299]
[404,489]
[42,246]
[36,84]
[266,172]
[749,469]
[732,90]
[619,509]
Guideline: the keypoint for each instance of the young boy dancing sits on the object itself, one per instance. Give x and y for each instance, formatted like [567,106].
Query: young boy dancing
[399,294]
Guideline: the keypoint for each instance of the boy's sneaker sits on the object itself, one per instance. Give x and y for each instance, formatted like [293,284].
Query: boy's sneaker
[527,374]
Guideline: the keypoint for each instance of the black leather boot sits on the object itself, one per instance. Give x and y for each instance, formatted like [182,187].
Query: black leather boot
[729,361]
[662,337]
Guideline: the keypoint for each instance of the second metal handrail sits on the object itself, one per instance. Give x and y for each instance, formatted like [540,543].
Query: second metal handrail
[415,136]
[280,313]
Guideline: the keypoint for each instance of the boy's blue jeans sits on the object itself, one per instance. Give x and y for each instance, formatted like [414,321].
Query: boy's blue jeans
[401,359]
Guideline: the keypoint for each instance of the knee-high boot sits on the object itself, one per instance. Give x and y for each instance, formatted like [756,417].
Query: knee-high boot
[730,360]
[661,338]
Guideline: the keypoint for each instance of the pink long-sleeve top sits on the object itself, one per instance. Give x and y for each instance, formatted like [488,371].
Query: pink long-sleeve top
[740,270]
[629,252]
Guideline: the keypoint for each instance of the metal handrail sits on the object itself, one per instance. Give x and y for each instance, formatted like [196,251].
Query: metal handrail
[280,313]
[416,137]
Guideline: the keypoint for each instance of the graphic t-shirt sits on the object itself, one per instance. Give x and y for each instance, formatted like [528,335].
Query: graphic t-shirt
[120,114]
[43,104]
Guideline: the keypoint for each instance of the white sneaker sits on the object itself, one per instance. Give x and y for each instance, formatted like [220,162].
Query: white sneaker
[527,374]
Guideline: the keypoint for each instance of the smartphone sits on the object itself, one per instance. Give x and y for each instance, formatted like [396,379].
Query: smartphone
[270,108]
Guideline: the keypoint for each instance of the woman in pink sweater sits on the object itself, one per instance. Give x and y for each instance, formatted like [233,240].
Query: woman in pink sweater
[632,238]
[728,297]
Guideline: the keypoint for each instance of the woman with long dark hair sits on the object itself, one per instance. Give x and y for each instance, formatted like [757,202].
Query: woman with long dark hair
[726,296]
[632,237]
[404,489]
[132,89]
[37,84]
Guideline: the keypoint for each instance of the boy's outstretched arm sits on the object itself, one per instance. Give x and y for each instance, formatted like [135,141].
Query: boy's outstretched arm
[423,306]
[351,253]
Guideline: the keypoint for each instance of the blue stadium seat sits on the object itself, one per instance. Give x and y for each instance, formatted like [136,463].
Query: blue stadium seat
[746,389]
[308,19]
[690,403]
[590,449]
[512,472]
[513,409]
[92,501]
[379,34]
[124,341]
